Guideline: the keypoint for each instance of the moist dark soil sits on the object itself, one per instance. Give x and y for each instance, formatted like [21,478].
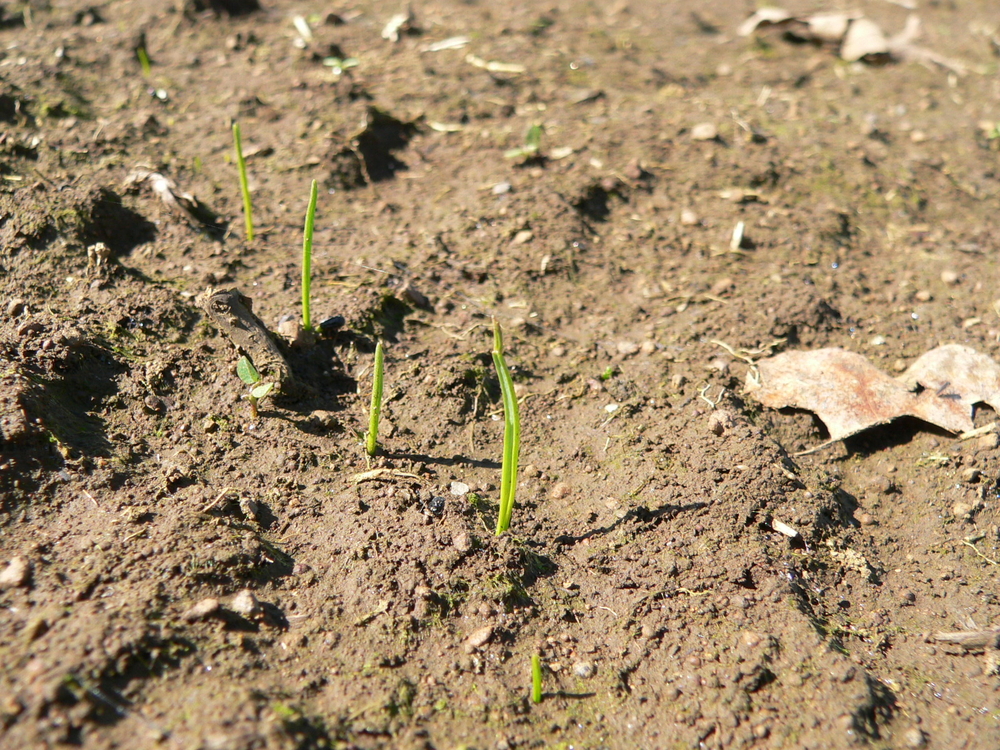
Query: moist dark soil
[177,573]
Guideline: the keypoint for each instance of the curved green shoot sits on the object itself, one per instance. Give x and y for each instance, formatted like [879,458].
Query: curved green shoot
[244,184]
[536,679]
[511,433]
[371,439]
[307,250]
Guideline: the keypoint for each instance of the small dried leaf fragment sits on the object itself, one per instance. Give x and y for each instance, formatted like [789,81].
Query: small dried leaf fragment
[959,373]
[182,204]
[848,393]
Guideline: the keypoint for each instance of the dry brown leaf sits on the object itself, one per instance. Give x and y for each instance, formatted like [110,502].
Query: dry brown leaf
[959,373]
[848,393]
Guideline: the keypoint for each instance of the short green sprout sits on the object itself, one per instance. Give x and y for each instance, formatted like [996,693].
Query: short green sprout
[339,66]
[532,144]
[371,439]
[511,433]
[244,183]
[258,390]
[307,250]
[536,679]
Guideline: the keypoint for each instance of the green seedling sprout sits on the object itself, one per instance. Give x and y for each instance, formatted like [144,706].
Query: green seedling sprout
[338,66]
[258,391]
[244,184]
[511,433]
[307,253]
[144,63]
[532,144]
[536,679]
[371,439]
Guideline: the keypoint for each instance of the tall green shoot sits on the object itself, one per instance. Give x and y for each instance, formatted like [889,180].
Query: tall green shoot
[244,183]
[307,254]
[511,433]
[371,440]
[536,679]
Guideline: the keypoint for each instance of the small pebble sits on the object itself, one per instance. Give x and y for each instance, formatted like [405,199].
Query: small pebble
[15,307]
[949,277]
[722,286]
[458,489]
[559,491]
[720,422]
[201,610]
[988,442]
[245,604]
[524,236]
[462,541]
[962,511]
[648,347]
[558,351]
[689,218]
[970,475]
[627,348]
[704,131]
[751,639]
[914,737]
[923,296]
[584,669]
[16,574]
[501,188]
[478,639]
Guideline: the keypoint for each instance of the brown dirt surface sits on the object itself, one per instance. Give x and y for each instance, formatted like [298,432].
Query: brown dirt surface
[175,573]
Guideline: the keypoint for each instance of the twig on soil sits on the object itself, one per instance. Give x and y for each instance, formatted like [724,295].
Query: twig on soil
[218,499]
[973,640]
[985,429]
[232,312]
[975,549]
[381,475]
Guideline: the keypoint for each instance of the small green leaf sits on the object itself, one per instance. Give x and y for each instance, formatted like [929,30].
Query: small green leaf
[533,140]
[261,391]
[247,372]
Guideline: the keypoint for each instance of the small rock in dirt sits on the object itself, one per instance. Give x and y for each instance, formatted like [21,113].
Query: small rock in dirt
[627,348]
[246,605]
[914,737]
[331,325]
[300,568]
[558,351]
[501,188]
[689,218]
[950,277]
[462,541]
[201,610]
[524,236]
[722,286]
[987,442]
[963,511]
[751,639]
[209,425]
[414,296]
[677,381]
[647,347]
[721,422]
[154,404]
[923,296]
[584,669]
[478,639]
[907,598]
[704,131]
[16,574]
[297,336]
[459,489]
[29,329]
[559,491]
[971,475]
[325,419]
[634,171]
[15,307]
[867,519]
